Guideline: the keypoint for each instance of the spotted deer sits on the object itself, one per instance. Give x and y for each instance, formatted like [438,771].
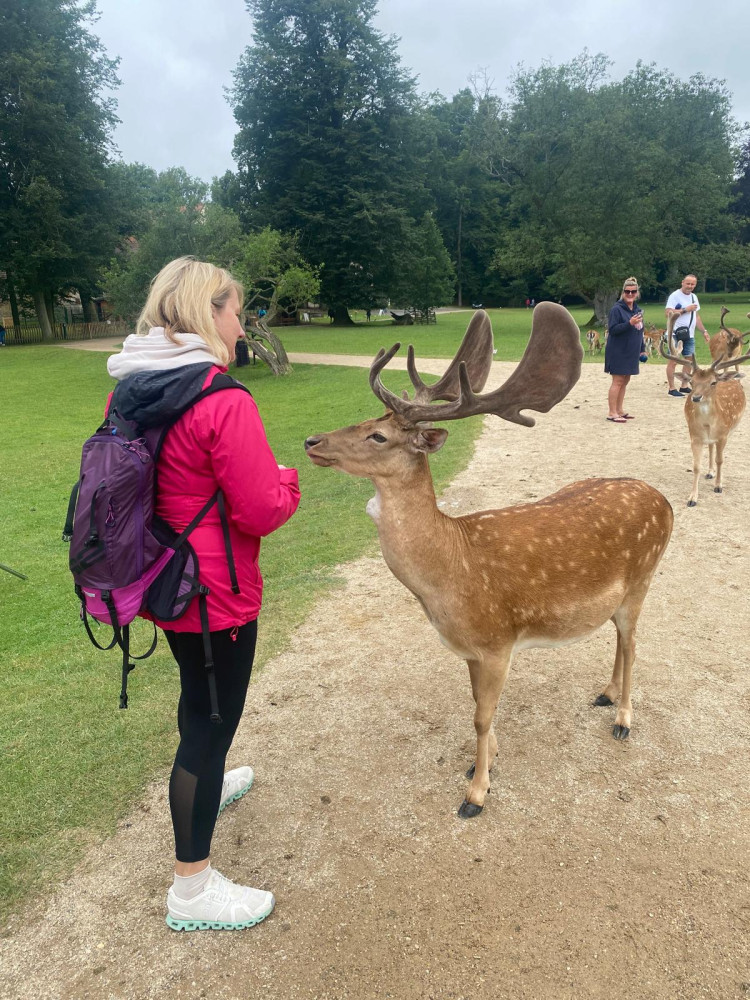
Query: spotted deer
[499,581]
[651,338]
[713,408]
[594,342]
[727,343]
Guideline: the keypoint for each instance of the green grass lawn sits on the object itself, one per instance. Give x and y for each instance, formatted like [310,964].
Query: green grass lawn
[511,330]
[72,763]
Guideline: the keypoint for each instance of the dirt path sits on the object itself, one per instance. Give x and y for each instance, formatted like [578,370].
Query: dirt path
[597,869]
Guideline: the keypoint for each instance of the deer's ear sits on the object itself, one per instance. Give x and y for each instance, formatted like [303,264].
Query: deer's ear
[428,439]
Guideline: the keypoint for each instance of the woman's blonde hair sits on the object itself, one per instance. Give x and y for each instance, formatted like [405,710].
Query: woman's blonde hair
[181,299]
[629,282]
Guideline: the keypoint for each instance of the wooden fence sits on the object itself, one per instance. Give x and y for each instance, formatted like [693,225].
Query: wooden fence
[31,333]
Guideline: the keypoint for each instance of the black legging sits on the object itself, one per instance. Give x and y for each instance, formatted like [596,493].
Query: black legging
[198,772]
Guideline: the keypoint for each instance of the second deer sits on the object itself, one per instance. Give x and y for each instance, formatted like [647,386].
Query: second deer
[713,409]
[500,581]
[727,343]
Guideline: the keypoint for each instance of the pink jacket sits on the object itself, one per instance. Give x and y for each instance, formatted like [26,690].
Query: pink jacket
[220,443]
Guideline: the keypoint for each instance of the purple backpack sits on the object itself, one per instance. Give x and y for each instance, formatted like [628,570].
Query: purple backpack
[123,558]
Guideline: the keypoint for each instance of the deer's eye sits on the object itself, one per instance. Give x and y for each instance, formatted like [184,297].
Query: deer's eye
[377,437]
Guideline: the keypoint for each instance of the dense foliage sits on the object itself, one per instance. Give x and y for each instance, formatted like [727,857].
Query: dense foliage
[55,124]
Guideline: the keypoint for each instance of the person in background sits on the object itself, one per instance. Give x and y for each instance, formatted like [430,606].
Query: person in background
[2,334]
[185,336]
[624,348]
[684,304]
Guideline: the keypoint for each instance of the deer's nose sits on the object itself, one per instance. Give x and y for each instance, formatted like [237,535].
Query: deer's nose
[312,441]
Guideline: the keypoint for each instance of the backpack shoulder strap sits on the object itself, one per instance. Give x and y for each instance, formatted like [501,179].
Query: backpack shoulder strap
[220,381]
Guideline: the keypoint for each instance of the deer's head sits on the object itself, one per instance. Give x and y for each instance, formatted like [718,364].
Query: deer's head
[391,445]
[703,381]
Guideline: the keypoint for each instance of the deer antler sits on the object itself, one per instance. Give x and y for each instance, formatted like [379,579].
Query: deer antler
[670,354]
[724,312]
[720,363]
[475,352]
[548,370]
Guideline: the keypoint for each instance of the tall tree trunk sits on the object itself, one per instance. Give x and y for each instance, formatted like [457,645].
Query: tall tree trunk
[89,312]
[458,254]
[40,305]
[49,301]
[341,316]
[14,304]
[603,302]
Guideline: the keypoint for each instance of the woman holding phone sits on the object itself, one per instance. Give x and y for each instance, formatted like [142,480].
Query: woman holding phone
[624,348]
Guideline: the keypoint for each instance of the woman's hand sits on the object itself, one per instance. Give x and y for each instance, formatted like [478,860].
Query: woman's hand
[636,320]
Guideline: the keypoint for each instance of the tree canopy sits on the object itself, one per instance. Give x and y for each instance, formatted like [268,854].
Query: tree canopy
[55,138]
[324,142]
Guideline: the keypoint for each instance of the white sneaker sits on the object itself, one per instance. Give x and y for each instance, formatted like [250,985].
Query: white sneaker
[220,906]
[236,784]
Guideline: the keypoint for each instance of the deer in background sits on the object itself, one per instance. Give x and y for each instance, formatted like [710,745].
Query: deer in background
[651,338]
[595,344]
[499,581]
[712,409]
[727,343]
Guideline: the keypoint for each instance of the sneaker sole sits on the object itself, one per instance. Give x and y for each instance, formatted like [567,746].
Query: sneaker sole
[235,797]
[215,925]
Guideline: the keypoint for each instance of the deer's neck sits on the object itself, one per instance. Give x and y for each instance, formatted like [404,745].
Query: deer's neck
[413,533]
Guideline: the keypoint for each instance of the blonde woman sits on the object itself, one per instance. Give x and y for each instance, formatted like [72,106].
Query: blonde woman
[187,334]
[624,349]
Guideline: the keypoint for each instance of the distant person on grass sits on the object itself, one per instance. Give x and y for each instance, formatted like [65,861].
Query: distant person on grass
[684,305]
[624,348]
[186,335]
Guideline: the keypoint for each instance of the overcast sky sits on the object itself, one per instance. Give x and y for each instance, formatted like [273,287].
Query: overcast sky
[177,56]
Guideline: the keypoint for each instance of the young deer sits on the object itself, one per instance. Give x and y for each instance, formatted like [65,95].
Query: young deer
[727,343]
[595,344]
[712,409]
[535,574]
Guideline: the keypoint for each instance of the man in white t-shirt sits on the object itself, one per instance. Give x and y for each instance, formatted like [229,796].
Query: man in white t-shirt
[686,307]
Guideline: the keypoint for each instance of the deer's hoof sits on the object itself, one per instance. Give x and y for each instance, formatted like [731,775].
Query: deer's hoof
[603,700]
[470,772]
[692,503]
[718,489]
[709,475]
[621,732]
[468,810]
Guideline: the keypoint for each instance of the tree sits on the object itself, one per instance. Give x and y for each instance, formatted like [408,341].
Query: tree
[468,200]
[171,219]
[605,180]
[324,146]
[741,193]
[55,137]
[427,276]
[277,279]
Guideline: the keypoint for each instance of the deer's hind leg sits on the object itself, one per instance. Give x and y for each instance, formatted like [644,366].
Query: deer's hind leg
[612,691]
[625,619]
[488,680]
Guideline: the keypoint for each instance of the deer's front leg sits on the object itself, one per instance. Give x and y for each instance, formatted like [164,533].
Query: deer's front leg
[474,668]
[719,463]
[697,454]
[491,672]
